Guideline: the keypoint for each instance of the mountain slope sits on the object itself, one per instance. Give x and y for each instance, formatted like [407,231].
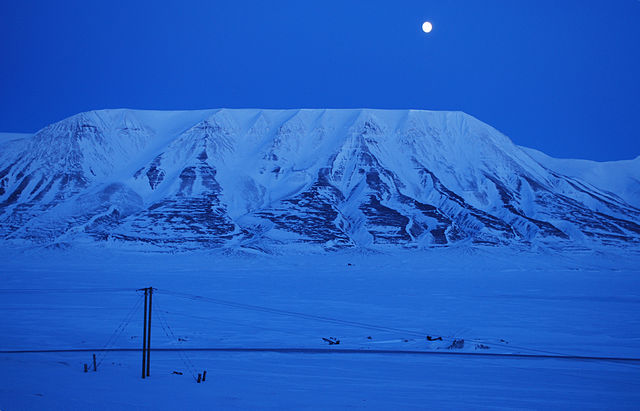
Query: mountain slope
[324,178]
[620,177]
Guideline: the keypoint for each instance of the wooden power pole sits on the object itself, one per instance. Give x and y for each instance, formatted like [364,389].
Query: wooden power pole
[146,332]
[149,331]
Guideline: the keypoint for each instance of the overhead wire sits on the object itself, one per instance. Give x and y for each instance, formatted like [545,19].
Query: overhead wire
[237,323]
[170,334]
[164,324]
[60,290]
[345,322]
[119,330]
[292,313]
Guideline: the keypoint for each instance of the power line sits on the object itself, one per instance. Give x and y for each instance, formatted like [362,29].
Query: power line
[240,324]
[119,330]
[60,290]
[164,324]
[342,322]
[269,310]
[293,313]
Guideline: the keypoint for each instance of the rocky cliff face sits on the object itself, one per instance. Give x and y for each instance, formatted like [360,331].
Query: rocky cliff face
[309,178]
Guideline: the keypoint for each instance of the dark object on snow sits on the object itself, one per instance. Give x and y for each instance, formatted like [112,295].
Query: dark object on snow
[331,340]
[456,344]
[199,378]
[349,264]
[369,338]
[177,373]
[204,375]
[86,368]
[406,340]
[506,342]
[430,338]
[95,367]
[181,339]
[482,347]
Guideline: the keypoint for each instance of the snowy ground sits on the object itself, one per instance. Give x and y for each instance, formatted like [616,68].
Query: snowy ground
[585,304]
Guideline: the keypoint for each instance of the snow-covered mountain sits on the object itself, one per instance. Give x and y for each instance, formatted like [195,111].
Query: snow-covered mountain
[620,177]
[329,178]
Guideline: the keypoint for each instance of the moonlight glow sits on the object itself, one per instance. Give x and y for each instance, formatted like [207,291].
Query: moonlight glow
[427,27]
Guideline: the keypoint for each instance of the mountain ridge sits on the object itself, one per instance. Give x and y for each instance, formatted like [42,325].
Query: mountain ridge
[330,178]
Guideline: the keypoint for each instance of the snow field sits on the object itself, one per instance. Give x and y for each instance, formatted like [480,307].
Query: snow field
[576,305]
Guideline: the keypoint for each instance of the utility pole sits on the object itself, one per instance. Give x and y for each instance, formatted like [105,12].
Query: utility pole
[146,332]
[149,332]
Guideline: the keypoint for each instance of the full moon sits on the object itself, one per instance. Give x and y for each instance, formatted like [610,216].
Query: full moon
[427,27]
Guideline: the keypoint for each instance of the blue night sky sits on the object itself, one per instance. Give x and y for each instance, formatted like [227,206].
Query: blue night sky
[559,76]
